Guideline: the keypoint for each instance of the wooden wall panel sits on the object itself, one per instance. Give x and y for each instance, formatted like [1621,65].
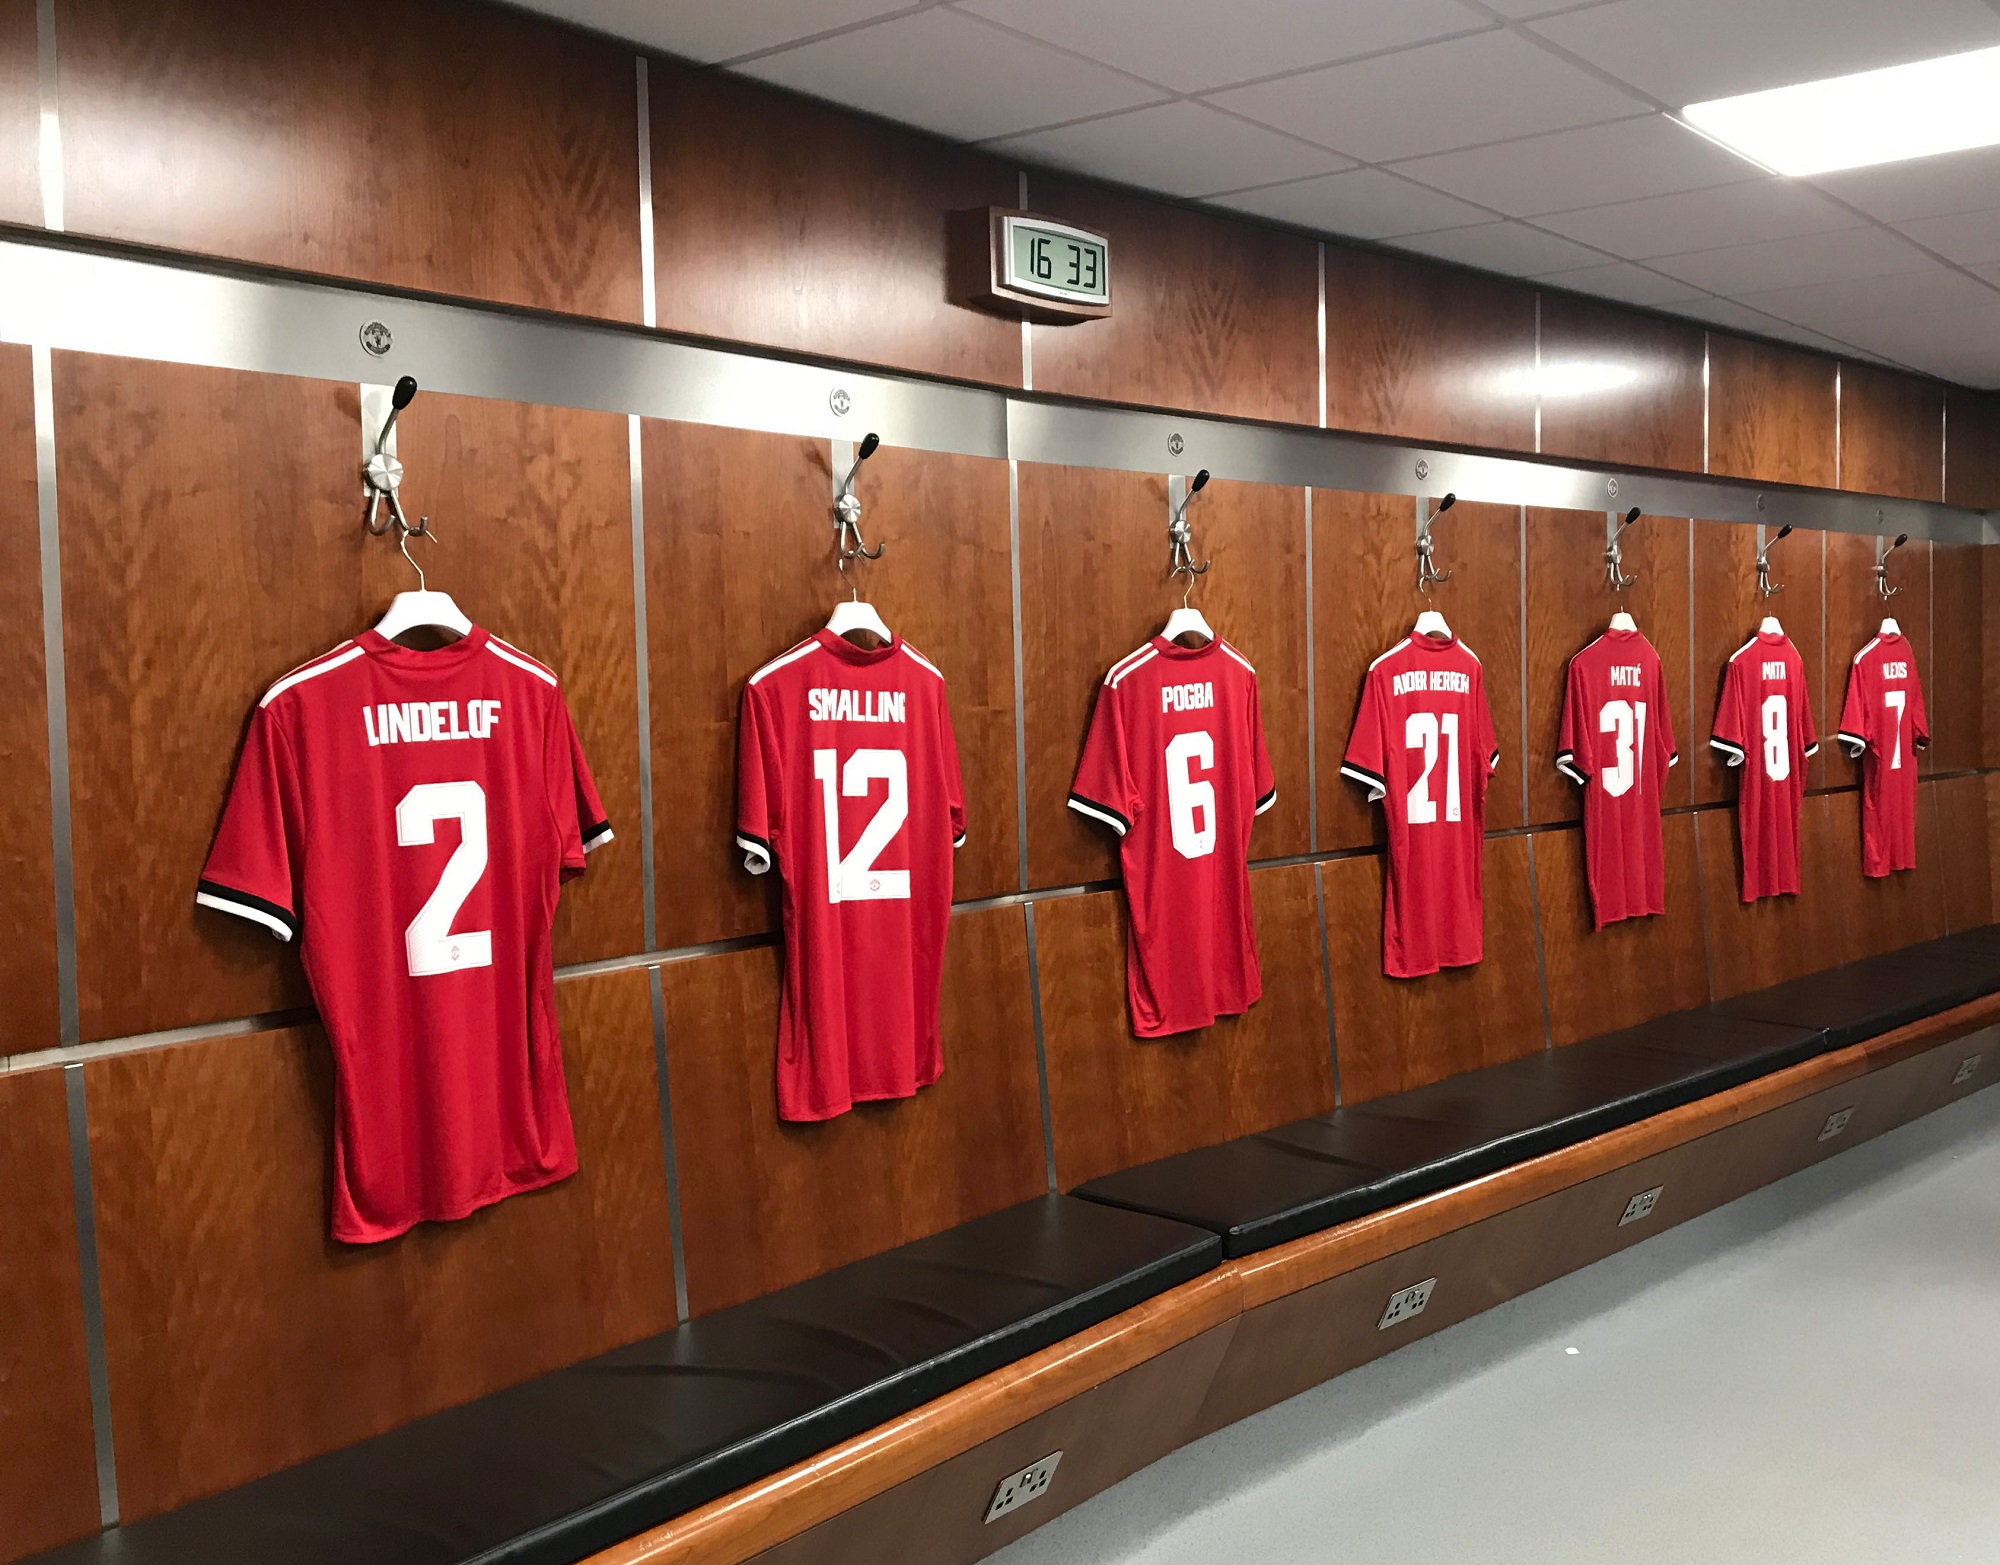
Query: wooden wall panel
[1727,612]
[1211,315]
[1954,662]
[1775,939]
[1637,399]
[1972,448]
[46,1448]
[20,117]
[794,224]
[1965,850]
[739,566]
[27,881]
[241,1339]
[1876,915]
[1771,413]
[1992,791]
[533,539]
[1426,352]
[1094,587]
[1854,614]
[765,1203]
[1365,600]
[1116,1100]
[1397,1033]
[1891,433]
[1600,980]
[488,153]
[1569,606]
[1989,655]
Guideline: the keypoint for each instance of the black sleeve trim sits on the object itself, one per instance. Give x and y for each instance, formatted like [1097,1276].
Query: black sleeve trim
[1566,764]
[245,905]
[1103,812]
[1267,801]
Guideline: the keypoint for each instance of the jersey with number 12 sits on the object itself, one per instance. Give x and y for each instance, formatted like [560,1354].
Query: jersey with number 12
[1764,728]
[1883,724]
[408,816]
[847,779]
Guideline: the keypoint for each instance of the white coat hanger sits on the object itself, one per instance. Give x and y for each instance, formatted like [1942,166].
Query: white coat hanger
[1769,626]
[1891,628]
[1623,621]
[853,615]
[1431,623]
[422,609]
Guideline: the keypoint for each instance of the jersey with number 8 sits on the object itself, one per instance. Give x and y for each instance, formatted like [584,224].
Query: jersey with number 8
[847,778]
[1764,727]
[1883,725]
[409,815]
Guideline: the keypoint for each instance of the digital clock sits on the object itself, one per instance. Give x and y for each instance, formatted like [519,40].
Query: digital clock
[1032,267]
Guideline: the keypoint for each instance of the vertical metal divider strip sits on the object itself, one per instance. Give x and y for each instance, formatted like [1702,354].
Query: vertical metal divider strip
[1541,962]
[83,1195]
[1521,587]
[1836,424]
[1041,1049]
[1326,978]
[648,280]
[1027,326]
[1020,674]
[1538,371]
[49,154]
[1527,814]
[1312,696]
[1322,333]
[1697,747]
[56,694]
[1704,414]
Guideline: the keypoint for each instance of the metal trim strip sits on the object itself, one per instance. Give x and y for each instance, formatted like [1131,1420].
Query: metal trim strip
[56,696]
[1312,694]
[1020,673]
[83,1194]
[1041,1046]
[648,278]
[1326,980]
[49,149]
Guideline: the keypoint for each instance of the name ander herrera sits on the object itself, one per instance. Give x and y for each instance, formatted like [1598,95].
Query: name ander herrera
[428,722]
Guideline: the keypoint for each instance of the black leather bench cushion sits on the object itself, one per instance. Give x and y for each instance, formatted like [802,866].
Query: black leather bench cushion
[1980,946]
[1875,995]
[1265,1189]
[555,1469]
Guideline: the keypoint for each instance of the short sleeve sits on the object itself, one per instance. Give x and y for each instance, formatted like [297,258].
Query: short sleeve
[1731,735]
[1576,756]
[758,799]
[954,784]
[1366,761]
[1104,789]
[1854,734]
[1919,719]
[1802,717]
[1482,715]
[580,818]
[1267,780]
[252,868]
[1666,747]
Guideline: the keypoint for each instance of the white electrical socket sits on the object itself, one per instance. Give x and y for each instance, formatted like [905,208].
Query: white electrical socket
[1966,1070]
[1017,1489]
[1406,1304]
[1641,1205]
[1835,1124]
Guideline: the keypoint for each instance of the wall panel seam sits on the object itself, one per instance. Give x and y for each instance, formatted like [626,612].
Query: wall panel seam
[1312,683]
[1541,963]
[56,696]
[1041,1047]
[84,1197]
[49,148]
[648,277]
[1326,981]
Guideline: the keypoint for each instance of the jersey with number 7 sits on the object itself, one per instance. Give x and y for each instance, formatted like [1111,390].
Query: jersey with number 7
[408,817]
[1764,727]
[1883,724]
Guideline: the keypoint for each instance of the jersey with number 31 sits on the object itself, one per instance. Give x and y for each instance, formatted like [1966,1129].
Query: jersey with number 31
[847,778]
[1175,764]
[1764,728]
[408,816]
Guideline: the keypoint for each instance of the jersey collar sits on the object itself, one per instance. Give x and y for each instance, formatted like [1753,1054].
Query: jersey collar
[412,660]
[1173,649]
[848,652]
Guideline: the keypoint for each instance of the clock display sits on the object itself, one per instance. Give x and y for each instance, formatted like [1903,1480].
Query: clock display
[1057,262]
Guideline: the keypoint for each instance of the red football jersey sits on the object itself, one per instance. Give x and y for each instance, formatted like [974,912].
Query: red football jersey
[409,815]
[1766,715]
[1617,741]
[1424,738]
[1175,764]
[1884,723]
[847,776]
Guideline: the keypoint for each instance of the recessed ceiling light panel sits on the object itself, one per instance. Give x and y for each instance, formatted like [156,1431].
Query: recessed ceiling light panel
[1884,116]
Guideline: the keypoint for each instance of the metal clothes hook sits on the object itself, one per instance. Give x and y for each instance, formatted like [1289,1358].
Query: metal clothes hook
[382,472]
[1882,564]
[1427,571]
[1180,533]
[1764,587]
[1614,554]
[847,542]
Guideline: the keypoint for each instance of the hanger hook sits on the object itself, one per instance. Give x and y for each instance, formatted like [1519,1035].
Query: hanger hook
[847,515]
[1180,534]
[1764,587]
[1614,553]
[1882,564]
[1427,571]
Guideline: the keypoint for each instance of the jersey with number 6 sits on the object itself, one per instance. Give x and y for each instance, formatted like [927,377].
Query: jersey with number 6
[1175,764]
[408,817]
[1883,723]
[1764,728]
[1423,744]
[1617,741]
[847,778]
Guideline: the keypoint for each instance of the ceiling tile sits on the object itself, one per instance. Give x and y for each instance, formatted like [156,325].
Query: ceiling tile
[1833,306]
[1727,312]
[1969,238]
[1513,248]
[1623,281]
[1952,343]
[1442,95]
[1922,187]
[1523,10]
[1364,203]
[1703,219]
[715,32]
[1581,168]
[1688,51]
[1181,149]
[1786,263]
[951,74]
[1191,45]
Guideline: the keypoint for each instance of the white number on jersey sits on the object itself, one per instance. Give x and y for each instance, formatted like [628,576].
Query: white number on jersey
[1777,739]
[1191,804]
[1422,729]
[429,943]
[1627,721]
[855,877]
[1895,701]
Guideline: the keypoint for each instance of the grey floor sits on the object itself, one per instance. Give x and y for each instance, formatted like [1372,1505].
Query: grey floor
[1810,1374]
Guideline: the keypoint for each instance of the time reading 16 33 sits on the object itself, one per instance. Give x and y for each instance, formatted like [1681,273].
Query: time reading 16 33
[1022,264]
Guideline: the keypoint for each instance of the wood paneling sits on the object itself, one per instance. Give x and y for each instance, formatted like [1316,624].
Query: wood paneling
[488,153]
[1365,600]
[1880,914]
[1972,448]
[794,224]
[1954,659]
[1569,605]
[1396,1033]
[533,539]
[1639,401]
[1727,612]
[27,882]
[1771,414]
[1989,654]
[1965,848]
[764,1203]
[1211,315]
[1891,433]
[1094,587]
[1854,614]
[1116,1100]
[241,1339]
[1772,940]
[1427,352]
[1628,972]
[46,1450]
[20,117]
[739,566]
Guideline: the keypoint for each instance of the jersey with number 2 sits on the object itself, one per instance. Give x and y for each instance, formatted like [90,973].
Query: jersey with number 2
[408,816]
[1764,728]
[847,779]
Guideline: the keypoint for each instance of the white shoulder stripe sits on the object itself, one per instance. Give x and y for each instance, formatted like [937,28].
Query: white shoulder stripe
[1398,647]
[1469,652]
[526,663]
[1133,656]
[1868,649]
[926,662]
[1226,647]
[809,645]
[508,646]
[1743,649]
[1130,666]
[299,676]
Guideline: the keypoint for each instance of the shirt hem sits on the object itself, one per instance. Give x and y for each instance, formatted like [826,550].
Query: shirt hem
[377,1234]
